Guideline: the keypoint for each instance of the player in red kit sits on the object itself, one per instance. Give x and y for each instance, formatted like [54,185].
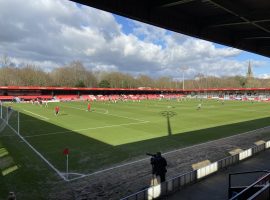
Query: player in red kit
[89,107]
[56,109]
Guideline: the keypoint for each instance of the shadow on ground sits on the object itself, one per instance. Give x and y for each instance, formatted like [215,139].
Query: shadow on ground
[88,155]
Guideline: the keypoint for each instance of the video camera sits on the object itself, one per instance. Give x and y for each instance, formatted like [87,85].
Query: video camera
[153,157]
[150,154]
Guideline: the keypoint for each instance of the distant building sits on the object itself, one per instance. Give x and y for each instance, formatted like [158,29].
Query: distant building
[249,72]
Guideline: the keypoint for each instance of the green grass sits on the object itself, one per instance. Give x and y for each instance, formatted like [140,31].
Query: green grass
[113,134]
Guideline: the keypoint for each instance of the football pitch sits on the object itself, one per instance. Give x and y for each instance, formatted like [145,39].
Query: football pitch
[119,132]
[116,133]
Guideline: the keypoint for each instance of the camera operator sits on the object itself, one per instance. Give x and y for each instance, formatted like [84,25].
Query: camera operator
[159,164]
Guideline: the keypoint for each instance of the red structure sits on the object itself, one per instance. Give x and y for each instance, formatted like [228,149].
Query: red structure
[8,93]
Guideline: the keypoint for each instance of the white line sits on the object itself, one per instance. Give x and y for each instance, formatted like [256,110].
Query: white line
[36,114]
[108,114]
[169,152]
[73,173]
[39,154]
[54,133]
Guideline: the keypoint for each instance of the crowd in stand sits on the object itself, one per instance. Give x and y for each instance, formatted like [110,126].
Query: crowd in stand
[138,97]
[113,98]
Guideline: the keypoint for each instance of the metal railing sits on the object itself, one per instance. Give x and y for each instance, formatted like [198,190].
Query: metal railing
[256,188]
[233,191]
[263,194]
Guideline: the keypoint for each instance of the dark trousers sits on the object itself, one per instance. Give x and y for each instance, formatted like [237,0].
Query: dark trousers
[162,177]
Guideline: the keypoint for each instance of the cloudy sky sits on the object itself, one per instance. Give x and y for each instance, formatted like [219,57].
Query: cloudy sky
[52,33]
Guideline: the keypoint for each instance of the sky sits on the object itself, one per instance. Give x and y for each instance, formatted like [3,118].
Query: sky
[53,33]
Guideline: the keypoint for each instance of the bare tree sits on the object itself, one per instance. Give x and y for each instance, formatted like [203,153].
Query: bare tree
[145,81]
[5,61]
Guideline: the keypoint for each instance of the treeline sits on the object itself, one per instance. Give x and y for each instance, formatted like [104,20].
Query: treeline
[72,75]
[76,75]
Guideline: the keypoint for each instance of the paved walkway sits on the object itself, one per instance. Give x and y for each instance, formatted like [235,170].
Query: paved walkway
[216,186]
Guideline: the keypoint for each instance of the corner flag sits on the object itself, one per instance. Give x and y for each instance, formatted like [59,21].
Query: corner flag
[66,151]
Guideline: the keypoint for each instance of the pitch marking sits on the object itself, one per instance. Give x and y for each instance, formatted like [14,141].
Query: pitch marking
[46,118]
[54,133]
[108,114]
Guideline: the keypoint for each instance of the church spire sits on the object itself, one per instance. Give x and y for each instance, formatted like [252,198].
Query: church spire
[249,72]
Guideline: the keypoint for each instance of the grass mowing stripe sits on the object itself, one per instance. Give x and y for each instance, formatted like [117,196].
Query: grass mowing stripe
[108,114]
[258,111]
[54,133]
[1,136]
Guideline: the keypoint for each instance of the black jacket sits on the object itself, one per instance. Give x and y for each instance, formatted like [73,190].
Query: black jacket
[159,165]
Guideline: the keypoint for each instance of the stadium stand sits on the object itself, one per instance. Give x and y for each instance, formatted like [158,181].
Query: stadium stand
[6,98]
[7,93]
[25,97]
[67,97]
[87,97]
[106,94]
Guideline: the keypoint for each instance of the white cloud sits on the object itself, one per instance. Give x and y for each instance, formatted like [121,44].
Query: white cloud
[264,76]
[52,33]
[149,33]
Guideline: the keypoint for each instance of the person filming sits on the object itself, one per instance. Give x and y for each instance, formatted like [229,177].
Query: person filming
[159,165]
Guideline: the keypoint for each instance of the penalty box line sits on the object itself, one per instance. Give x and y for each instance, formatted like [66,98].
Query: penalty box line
[109,114]
[166,153]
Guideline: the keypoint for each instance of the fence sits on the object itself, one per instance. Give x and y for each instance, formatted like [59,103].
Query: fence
[262,194]
[257,190]
[176,183]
